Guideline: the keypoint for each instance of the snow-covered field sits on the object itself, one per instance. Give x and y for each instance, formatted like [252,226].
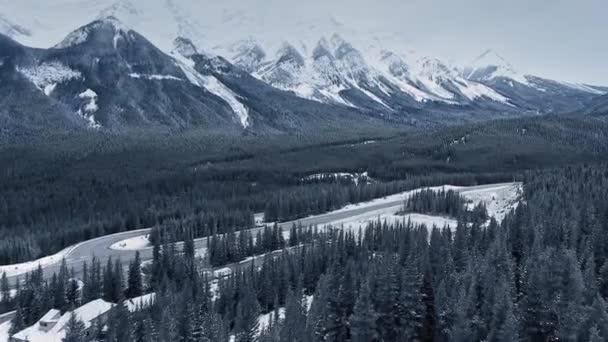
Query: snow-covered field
[132,244]
[499,200]
[390,216]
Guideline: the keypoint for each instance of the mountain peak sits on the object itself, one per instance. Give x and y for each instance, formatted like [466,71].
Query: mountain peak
[185,47]
[492,58]
[107,23]
[491,65]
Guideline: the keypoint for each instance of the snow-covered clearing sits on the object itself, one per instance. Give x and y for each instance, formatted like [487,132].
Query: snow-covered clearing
[135,243]
[390,216]
[4,328]
[258,218]
[499,200]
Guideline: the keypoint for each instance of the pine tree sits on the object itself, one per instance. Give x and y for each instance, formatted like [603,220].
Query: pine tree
[504,326]
[248,310]
[5,293]
[117,282]
[75,330]
[412,308]
[108,282]
[73,294]
[295,317]
[363,320]
[18,321]
[141,332]
[119,324]
[594,335]
[134,282]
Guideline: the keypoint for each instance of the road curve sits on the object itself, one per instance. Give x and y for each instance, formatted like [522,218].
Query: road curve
[100,247]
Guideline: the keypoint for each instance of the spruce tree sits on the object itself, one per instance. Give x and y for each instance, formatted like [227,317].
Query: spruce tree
[134,282]
[294,326]
[74,330]
[247,313]
[363,320]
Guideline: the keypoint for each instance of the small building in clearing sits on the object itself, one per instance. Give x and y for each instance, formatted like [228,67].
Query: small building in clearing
[52,326]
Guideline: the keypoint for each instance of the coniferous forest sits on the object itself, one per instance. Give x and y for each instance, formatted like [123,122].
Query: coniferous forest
[540,275]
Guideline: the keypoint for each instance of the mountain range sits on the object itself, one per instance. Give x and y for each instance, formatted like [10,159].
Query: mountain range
[121,72]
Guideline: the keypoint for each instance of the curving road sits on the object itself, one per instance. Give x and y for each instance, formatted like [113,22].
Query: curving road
[100,247]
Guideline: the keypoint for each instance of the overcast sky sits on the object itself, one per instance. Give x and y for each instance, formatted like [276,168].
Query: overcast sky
[563,39]
[559,39]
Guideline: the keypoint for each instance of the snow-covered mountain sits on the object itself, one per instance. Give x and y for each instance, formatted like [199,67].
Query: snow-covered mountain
[154,46]
[107,76]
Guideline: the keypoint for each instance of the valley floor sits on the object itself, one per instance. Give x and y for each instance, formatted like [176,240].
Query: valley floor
[499,198]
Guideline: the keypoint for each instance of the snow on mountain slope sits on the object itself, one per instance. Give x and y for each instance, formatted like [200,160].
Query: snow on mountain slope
[490,66]
[335,65]
[209,82]
[315,56]
[48,75]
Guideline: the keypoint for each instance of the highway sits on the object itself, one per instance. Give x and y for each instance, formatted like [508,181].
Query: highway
[100,247]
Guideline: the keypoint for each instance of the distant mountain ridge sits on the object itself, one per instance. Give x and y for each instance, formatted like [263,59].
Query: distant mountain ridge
[105,75]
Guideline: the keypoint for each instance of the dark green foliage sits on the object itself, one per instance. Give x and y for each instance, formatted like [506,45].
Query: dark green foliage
[135,285]
[72,188]
[74,330]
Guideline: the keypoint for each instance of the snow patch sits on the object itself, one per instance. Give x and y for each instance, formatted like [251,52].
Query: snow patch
[499,200]
[474,90]
[89,109]
[222,272]
[50,73]
[74,38]
[154,77]
[584,87]
[132,244]
[4,329]
[139,303]
[214,86]
[48,90]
